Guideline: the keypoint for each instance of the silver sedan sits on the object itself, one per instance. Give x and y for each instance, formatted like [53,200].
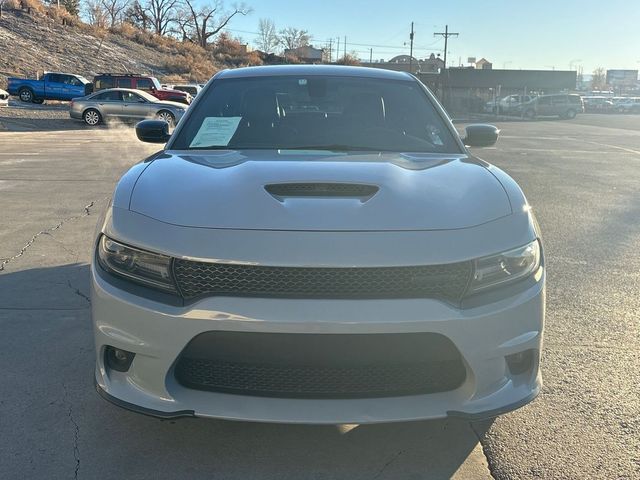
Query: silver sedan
[124,104]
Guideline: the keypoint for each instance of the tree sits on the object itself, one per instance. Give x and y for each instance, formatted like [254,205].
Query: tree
[349,59]
[137,15]
[207,20]
[95,13]
[268,38]
[292,38]
[598,79]
[71,6]
[114,10]
[162,13]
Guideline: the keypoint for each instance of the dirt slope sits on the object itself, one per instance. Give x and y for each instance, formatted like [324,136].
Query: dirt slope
[36,43]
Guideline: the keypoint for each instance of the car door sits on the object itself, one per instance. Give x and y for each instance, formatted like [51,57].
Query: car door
[53,86]
[544,106]
[559,104]
[134,105]
[72,87]
[109,103]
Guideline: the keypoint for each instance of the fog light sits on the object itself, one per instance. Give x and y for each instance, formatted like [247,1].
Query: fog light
[520,362]
[118,359]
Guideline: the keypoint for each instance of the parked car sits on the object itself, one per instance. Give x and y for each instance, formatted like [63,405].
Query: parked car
[558,105]
[52,86]
[315,244]
[191,89]
[597,104]
[124,104]
[4,98]
[628,105]
[147,84]
[507,105]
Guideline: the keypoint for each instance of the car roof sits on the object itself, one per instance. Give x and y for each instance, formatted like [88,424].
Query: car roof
[308,70]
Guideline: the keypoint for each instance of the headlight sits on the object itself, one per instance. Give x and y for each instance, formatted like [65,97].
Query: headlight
[147,268]
[505,267]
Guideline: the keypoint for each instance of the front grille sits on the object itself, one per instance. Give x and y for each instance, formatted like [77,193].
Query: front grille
[447,281]
[321,366]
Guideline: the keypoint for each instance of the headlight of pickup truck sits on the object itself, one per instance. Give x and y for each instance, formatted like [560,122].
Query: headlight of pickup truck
[505,267]
[146,268]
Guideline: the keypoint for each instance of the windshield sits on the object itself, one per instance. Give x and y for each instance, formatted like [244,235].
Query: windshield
[156,83]
[316,112]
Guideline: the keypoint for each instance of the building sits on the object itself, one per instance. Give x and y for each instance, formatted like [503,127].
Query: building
[307,54]
[468,89]
[484,64]
[406,63]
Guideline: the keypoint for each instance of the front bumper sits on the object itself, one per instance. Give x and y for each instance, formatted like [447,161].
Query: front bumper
[157,333]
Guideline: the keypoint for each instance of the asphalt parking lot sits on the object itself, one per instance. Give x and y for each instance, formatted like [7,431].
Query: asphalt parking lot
[582,178]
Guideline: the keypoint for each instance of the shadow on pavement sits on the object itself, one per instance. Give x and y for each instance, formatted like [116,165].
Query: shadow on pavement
[55,421]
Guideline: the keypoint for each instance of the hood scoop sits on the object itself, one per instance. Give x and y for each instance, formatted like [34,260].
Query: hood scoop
[282,191]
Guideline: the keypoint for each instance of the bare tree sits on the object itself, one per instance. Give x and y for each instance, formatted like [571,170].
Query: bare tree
[96,14]
[598,79]
[137,15]
[162,13]
[114,10]
[207,20]
[268,38]
[292,38]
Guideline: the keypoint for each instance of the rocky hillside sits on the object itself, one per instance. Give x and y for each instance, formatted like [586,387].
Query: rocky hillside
[35,42]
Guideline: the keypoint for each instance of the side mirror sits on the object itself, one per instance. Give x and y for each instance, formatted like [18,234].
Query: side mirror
[153,131]
[481,135]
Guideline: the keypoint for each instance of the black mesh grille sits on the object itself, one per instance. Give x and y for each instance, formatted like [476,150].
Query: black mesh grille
[433,281]
[321,366]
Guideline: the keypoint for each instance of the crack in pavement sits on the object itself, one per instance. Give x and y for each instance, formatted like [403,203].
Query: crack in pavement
[47,231]
[490,465]
[389,462]
[76,432]
[78,292]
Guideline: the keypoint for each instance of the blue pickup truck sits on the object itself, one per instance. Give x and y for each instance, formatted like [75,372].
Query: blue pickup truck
[52,86]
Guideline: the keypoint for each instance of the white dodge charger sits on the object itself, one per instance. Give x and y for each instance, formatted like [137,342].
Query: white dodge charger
[315,244]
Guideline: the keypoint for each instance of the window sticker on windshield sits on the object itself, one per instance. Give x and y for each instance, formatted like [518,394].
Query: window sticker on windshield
[216,132]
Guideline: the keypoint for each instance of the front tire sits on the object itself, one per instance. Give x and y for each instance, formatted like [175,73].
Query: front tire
[167,117]
[571,114]
[26,95]
[92,117]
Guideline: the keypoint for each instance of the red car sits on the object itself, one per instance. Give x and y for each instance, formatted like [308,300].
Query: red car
[148,84]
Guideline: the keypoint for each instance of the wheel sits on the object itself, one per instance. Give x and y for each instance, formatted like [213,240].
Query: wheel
[26,95]
[39,101]
[167,117]
[570,114]
[529,114]
[92,117]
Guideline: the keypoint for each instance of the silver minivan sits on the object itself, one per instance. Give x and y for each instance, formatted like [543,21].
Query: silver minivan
[558,105]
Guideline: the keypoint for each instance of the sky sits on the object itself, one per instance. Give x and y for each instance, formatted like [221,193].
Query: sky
[515,34]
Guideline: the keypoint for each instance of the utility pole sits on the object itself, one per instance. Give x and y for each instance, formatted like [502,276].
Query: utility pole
[371,55]
[345,46]
[338,50]
[446,34]
[330,52]
[411,49]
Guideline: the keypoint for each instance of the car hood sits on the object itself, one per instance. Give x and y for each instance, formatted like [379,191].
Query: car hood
[321,191]
[176,92]
[165,103]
